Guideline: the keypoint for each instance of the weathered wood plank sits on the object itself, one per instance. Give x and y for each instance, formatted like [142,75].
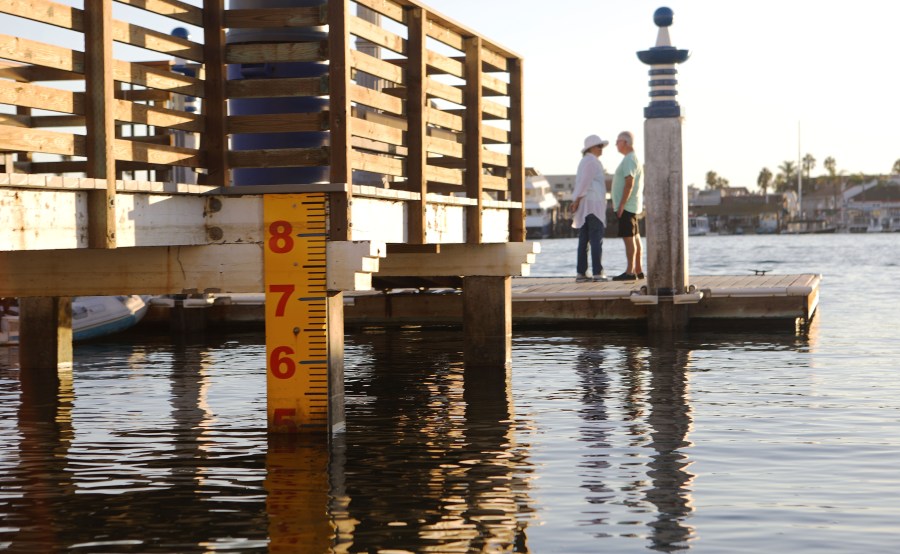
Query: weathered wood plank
[377,164]
[267,18]
[376,35]
[416,107]
[474,174]
[48,142]
[132,151]
[375,99]
[277,88]
[181,11]
[494,135]
[286,157]
[377,132]
[374,66]
[277,52]
[386,8]
[277,123]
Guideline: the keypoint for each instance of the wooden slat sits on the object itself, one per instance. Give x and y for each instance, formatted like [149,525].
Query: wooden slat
[444,119]
[139,74]
[170,8]
[34,140]
[375,131]
[266,18]
[492,182]
[277,88]
[34,73]
[43,11]
[444,175]
[37,96]
[55,121]
[131,151]
[377,164]
[445,64]
[377,35]
[277,123]
[375,99]
[386,8]
[163,43]
[30,51]
[158,117]
[440,32]
[445,92]
[361,143]
[281,52]
[494,135]
[144,95]
[286,157]
[374,66]
[445,147]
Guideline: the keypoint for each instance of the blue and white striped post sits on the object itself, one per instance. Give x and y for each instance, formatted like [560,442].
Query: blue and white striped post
[665,197]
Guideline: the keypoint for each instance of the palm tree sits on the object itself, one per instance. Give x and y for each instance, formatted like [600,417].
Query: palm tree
[764,181]
[809,162]
[831,166]
[789,174]
[714,182]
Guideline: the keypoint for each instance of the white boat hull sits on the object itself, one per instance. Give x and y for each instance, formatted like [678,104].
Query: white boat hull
[92,317]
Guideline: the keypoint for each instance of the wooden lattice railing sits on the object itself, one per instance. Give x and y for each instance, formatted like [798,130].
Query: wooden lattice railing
[415,101]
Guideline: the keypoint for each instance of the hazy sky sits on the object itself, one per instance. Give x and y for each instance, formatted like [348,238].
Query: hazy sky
[756,70]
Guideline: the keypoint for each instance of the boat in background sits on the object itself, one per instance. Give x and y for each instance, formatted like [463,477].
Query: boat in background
[92,317]
[698,225]
[541,206]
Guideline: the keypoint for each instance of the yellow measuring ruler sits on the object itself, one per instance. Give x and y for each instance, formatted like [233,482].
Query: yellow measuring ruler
[296,312]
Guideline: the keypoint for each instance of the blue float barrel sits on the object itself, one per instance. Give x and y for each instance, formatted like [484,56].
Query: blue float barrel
[260,106]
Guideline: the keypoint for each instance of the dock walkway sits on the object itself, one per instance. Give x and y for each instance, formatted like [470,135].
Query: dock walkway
[771,301]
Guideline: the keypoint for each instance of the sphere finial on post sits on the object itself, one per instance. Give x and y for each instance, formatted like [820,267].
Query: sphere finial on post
[662,59]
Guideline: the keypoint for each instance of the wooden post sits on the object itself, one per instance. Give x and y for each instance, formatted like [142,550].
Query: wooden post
[100,121]
[666,203]
[517,151]
[416,100]
[45,336]
[473,146]
[339,118]
[215,140]
[487,321]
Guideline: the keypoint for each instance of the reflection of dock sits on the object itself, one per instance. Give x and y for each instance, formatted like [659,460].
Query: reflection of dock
[762,300]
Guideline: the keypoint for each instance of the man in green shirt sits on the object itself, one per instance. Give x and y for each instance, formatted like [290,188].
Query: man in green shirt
[628,202]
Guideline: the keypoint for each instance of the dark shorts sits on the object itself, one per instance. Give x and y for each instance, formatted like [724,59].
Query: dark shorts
[628,225]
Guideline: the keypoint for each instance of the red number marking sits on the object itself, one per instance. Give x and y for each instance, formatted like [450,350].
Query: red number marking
[284,417]
[281,241]
[286,292]
[282,366]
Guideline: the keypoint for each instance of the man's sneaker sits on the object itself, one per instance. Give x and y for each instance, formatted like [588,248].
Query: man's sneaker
[625,277]
[580,278]
[600,277]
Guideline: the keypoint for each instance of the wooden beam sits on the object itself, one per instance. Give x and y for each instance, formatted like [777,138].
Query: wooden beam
[214,142]
[151,270]
[175,9]
[416,102]
[276,52]
[265,18]
[517,150]
[496,259]
[341,148]
[474,139]
[100,122]
[276,88]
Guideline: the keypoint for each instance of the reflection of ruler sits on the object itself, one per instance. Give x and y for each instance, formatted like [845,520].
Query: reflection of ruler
[296,312]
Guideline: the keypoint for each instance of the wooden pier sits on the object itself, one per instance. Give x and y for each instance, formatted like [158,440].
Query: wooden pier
[401,167]
[782,303]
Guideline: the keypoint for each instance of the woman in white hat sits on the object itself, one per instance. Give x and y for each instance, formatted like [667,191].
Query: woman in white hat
[589,209]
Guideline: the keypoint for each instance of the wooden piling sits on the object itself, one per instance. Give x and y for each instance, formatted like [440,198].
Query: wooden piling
[45,335]
[487,321]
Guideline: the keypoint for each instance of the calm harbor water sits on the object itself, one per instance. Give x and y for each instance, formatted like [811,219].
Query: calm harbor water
[596,442]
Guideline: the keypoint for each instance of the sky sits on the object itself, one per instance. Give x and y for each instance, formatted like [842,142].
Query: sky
[763,77]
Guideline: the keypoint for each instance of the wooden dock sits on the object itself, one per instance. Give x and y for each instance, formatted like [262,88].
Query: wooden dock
[774,302]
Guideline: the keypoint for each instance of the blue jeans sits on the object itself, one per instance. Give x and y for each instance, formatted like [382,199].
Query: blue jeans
[590,234]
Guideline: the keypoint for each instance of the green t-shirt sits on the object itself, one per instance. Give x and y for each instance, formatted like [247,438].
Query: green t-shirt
[630,166]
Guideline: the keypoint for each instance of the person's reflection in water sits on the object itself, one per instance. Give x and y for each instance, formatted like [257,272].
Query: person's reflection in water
[670,422]
[595,432]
